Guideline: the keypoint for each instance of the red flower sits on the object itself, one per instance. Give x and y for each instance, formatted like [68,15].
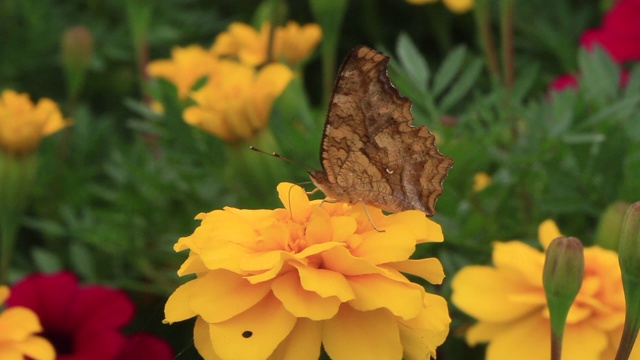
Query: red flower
[145,346]
[82,322]
[564,81]
[619,33]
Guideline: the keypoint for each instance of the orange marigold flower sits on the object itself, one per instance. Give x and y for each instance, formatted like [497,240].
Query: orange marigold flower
[281,283]
[509,302]
[186,66]
[456,6]
[291,44]
[18,326]
[236,102]
[23,124]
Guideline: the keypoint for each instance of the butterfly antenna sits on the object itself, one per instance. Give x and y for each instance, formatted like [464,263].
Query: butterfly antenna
[276,155]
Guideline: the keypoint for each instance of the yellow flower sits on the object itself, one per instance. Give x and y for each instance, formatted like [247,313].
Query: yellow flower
[456,6]
[294,43]
[509,302]
[23,124]
[291,44]
[480,181]
[17,328]
[280,283]
[186,66]
[236,101]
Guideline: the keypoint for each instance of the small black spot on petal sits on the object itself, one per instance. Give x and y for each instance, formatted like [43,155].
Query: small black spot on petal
[247,334]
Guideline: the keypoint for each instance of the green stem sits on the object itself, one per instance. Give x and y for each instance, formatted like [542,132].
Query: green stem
[329,14]
[483,24]
[506,30]
[7,241]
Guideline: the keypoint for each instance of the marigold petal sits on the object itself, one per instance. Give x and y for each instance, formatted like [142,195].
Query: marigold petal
[583,342]
[303,342]
[325,283]
[485,331]
[201,340]
[18,323]
[37,348]
[4,293]
[177,307]
[318,230]
[279,261]
[427,330]
[353,334]
[394,244]
[522,260]
[221,295]
[518,340]
[547,231]
[340,260]
[295,200]
[429,269]
[10,353]
[376,291]
[253,334]
[303,303]
[343,227]
[488,294]
[192,265]
[459,6]
[421,227]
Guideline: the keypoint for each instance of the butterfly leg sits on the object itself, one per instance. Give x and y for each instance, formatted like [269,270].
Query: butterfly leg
[369,217]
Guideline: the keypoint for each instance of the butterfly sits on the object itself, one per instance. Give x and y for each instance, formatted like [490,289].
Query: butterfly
[369,151]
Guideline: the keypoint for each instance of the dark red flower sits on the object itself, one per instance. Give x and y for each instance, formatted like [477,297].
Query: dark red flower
[82,322]
[619,34]
[564,81]
[145,346]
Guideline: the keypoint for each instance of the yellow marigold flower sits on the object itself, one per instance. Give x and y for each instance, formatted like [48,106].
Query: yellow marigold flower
[480,181]
[280,283]
[509,302]
[291,44]
[294,43]
[23,124]
[186,66]
[236,102]
[456,6]
[17,328]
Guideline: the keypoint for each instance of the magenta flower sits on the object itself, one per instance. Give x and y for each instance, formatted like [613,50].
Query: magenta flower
[619,34]
[82,322]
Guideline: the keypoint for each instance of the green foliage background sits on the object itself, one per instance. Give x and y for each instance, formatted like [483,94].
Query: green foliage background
[117,189]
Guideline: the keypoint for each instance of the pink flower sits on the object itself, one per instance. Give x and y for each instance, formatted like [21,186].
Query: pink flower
[82,322]
[619,34]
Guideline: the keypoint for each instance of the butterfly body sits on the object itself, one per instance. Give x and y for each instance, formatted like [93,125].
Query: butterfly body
[369,150]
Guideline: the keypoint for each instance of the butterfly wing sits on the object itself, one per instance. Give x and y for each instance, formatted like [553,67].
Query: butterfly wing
[369,150]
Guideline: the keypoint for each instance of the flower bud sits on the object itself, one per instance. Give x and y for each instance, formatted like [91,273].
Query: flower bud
[562,278]
[629,247]
[608,232]
[629,258]
[563,269]
[77,47]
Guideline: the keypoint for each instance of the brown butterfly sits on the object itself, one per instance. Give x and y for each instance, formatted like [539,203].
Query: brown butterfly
[370,153]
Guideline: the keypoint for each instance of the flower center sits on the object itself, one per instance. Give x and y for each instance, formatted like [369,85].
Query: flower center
[63,343]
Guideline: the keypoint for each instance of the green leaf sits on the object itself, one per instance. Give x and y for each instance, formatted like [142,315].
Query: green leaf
[524,82]
[82,261]
[45,260]
[562,112]
[462,86]
[412,61]
[600,75]
[448,70]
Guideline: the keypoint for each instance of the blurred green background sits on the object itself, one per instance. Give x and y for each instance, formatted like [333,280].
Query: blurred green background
[117,189]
